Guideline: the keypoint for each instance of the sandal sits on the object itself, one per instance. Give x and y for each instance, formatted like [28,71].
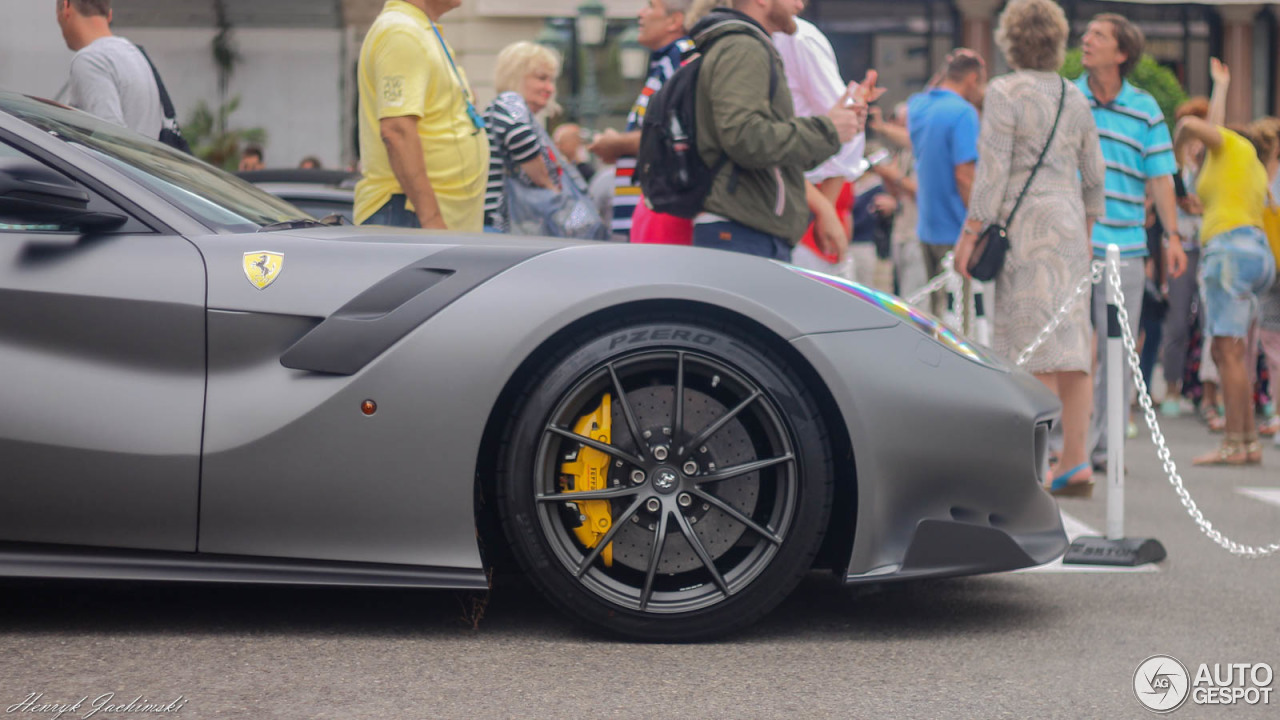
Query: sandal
[1228,453]
[1270,426]
[1212,416]
[1066,484]
[1253,452]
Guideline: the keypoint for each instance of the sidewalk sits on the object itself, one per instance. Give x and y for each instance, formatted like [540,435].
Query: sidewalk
[1236,499]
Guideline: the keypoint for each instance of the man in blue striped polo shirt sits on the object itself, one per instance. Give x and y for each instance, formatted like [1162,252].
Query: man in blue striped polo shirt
[1139,157]
[662,31]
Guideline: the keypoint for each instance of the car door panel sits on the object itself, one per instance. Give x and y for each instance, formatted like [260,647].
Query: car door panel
[292,467]
[102,373]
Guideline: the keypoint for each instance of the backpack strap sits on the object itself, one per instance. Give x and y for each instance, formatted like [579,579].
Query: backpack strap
[165,102]
[757,34]
[773,86]
[1062,99]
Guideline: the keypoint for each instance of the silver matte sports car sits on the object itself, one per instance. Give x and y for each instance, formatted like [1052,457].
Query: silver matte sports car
[200,383]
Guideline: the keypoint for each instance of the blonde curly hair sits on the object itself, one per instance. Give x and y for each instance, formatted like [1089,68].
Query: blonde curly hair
[520,59]
[1032,34]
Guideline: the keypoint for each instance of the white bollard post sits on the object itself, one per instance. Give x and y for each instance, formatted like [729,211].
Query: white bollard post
[954,315]
[983,296]
[1116,368]
[1115,548]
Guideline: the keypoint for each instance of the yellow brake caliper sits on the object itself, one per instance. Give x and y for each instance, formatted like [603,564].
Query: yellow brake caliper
[590,471]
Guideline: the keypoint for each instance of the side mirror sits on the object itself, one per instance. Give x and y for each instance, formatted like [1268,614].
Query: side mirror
[31,192]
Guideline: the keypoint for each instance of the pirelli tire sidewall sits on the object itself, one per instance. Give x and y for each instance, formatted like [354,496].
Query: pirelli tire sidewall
[799,415]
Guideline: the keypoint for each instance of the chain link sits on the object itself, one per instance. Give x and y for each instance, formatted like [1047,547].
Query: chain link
[1162,449]
[1094,276]
[935,284]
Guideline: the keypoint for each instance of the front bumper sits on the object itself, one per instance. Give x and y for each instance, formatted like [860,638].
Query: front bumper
[948,457]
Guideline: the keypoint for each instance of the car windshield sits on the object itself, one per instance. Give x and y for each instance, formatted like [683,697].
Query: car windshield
[217,199]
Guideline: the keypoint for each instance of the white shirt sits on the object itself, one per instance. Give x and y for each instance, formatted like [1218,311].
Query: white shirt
[814,80]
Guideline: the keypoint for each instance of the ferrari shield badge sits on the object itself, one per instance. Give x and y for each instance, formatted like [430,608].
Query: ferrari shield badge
[263,267]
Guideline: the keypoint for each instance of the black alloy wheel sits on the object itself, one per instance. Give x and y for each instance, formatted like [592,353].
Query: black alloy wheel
[715,471]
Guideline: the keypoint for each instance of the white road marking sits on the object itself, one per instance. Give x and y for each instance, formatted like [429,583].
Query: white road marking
[1268,495]
[1076,529]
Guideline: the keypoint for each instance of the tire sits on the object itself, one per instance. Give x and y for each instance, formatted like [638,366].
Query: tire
[736,509]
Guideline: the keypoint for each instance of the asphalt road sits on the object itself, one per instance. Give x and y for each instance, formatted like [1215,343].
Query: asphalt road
[1039,644]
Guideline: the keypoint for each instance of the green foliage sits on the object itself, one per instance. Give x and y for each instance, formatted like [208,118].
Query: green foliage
[226,55]
[211,138]
[1072,66]
[209,132]
[1149,75]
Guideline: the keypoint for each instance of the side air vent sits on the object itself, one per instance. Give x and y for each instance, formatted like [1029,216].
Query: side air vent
[1040,444]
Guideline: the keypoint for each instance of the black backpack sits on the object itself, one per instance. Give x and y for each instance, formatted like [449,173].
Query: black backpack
[671,172]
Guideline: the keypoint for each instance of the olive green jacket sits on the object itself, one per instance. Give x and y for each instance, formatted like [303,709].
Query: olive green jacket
[768,149]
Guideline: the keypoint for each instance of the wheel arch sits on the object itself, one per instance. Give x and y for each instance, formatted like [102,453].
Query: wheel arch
[837,545]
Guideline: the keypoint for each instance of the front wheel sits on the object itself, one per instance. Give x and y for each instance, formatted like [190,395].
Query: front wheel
[666,480]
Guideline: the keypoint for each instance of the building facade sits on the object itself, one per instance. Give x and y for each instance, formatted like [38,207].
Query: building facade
[906,39]
[296,74]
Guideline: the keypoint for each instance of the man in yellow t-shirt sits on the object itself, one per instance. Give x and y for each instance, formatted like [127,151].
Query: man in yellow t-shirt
[422,143]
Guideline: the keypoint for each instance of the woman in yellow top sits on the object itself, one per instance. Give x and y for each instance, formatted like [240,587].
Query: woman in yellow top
[1236,267]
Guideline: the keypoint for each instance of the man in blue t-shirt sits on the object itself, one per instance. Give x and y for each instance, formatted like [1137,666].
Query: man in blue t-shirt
[943,123]
[1139,157]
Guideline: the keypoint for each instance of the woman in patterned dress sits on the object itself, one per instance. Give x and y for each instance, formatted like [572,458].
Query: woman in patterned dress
[1049,250]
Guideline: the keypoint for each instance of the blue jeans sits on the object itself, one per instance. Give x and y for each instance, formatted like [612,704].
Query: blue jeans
[737,237]
[394,214]
[1236,269]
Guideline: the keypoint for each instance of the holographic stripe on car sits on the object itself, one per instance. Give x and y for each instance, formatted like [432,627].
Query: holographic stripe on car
[922,321]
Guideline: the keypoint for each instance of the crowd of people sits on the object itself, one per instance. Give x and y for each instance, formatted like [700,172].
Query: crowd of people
[1067,168]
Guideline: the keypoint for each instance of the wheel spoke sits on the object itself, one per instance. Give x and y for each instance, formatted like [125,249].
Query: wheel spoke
[714,427]
[737,515]
[677,422]
[627,413]
[608,537]
[743,469]
[659,540]
[584,495]
[607,449]
[696,543]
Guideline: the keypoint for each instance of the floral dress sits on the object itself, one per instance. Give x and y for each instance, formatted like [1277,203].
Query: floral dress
[1049,251]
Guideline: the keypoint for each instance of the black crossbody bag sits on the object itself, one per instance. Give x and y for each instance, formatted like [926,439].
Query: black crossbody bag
[170,132]
[993,243]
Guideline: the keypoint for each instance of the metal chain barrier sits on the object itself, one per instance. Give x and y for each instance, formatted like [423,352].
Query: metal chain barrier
[1096,273]
[1094,276]
[935,284]
[1162,448]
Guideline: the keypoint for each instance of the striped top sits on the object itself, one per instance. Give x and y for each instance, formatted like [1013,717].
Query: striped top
[662,65]
[1136,147]
[512,140]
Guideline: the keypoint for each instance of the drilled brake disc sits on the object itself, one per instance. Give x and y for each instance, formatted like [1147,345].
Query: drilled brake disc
[730,446]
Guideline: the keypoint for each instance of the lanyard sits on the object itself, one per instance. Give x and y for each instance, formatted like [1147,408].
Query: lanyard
[476,119]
